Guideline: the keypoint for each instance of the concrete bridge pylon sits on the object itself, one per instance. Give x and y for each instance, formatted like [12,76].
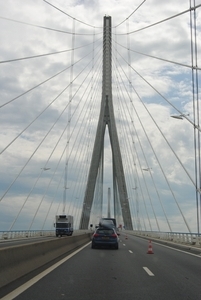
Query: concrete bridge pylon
[106,118]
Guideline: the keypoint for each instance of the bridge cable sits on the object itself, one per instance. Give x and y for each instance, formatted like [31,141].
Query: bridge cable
[131,14]
[44,108]
[46,28]
[48,158]
[69,120]
[70,15]
[196,117]
[42,139]
[72,133]
[161,21]
[153,210]
[162,59]
[153,181]
[42,55]
[154,150]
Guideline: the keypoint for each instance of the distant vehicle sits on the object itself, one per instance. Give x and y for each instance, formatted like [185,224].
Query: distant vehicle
[64,225]
[109,222]
[105,236]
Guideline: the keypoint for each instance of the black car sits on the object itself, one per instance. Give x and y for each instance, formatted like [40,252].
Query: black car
[104,236]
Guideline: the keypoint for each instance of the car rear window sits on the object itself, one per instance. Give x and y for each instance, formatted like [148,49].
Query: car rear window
[105,231]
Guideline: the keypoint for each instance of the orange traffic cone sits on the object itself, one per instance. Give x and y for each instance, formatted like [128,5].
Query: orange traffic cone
[150,250]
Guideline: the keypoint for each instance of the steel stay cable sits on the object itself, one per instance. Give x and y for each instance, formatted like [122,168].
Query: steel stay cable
[184,116]
[159,198]
[123,129]
[124,142]
[39,114]
[46,165]
[60,161]
[197,104]
[79,117]
[69,117]
[47,54]
[162,167]
[157,157]
[148,193]
[81,171]
[125,134]
[29,90]
[47,28]
[194,77]
[82,136]
[69,157]
[162,59]
[162,21]
[70,15]
[162,132]
[39,143]
[142,192]
[131,14]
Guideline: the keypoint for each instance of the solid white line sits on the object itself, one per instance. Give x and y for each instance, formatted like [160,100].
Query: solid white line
[29,283]
[148,271]
[130,251]
[183,251]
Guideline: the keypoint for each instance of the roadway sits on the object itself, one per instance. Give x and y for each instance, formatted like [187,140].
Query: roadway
[128,273]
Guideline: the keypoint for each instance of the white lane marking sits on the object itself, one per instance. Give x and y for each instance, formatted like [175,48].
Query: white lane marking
[130,251]
[197,255]
[148,271]
[29,283]
[124,244]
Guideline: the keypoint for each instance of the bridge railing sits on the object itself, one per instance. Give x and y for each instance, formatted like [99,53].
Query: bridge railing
[175,237]
[18,234]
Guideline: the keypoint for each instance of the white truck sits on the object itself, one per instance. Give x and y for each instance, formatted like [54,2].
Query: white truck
[64,225]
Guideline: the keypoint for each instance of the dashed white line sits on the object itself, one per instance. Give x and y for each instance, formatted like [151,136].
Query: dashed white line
[130,251]
[148,271]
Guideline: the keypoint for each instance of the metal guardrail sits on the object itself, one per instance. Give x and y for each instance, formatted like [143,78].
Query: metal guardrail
[176,237]
[17,234]
[20,234]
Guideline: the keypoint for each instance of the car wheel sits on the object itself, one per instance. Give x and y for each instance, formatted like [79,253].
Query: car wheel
[92,246]
[117,247]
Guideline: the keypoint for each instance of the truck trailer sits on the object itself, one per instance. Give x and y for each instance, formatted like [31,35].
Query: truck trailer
[64,225]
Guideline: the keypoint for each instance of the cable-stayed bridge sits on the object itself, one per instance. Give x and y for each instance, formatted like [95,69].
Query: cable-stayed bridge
[53,78]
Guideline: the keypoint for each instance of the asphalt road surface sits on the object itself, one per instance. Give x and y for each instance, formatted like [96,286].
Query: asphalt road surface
[125,274]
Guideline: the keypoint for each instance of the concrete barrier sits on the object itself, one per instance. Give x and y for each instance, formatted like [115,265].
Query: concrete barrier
[17,261]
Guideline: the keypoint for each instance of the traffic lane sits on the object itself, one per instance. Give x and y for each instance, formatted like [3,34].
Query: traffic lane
[104,273]
[166,255]
[173,265]
[90,274]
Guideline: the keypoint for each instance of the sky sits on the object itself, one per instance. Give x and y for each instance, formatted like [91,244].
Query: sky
[50,108]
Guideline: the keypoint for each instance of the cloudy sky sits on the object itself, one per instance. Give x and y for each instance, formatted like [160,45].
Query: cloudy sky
[51,85]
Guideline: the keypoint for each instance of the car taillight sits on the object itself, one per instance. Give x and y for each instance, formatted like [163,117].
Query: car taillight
[96,234]
[114,235]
